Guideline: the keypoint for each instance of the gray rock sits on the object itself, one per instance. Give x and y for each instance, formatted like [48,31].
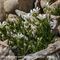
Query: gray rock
[2,11]
[23,5]
[10,5]
[44,3]
[5,52]
[26,5]
[55,4]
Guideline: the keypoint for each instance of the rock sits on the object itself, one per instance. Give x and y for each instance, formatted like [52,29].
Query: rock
[38,4]
[2,11]
[55,4]
[26,5]
[55,24]
[4,43]
[52,1]
[5,52]
[43,4]
[46,2]
[10,5]
[51,8]
[50,53]
[58,28]
[55,17]
[23,5]
[54,21]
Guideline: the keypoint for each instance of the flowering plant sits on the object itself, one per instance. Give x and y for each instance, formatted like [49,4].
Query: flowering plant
[52,10]
[31,33]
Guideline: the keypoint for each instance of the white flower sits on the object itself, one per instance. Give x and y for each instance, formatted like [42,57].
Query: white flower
[24,44]
[33,27]
[7,32]
[14,30]
[35,10]
[31,11]
[7,27]
[14,35]
[20,35]
[41,16]
[26,24]
[26,37]
[33,19]
[33,33]
[3,24]
[11,33]
[24,17]
[2,35]
[27,16]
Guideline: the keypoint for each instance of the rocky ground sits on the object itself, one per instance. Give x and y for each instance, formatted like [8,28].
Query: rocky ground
[5,52]
[8,11]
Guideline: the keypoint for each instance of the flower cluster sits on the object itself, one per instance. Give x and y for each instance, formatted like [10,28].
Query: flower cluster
[31,33]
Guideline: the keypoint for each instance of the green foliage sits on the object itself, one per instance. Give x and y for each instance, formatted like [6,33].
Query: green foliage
[56,11]
[27,35]
[53,11]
